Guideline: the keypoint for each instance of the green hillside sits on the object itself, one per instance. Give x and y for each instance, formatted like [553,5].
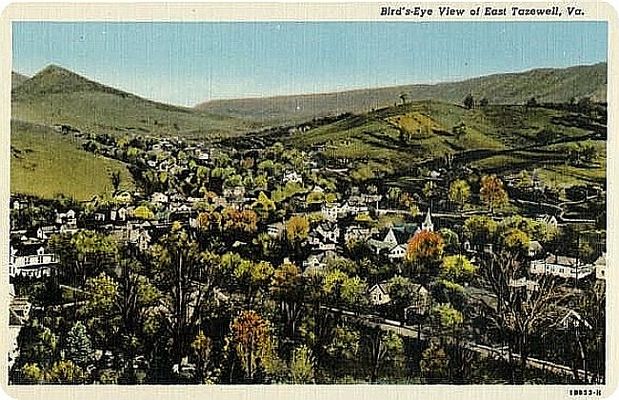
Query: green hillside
[496,138]
[547,85]
[45,163]
[17,79]
[57,96]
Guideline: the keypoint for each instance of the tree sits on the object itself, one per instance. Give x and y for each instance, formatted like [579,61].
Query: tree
[65,372]
[302,366]
[450,329]
[532,102]
[400,292]
[78,347]
[492,192]
[382,347]
[451,240]
[469,101]
[201,346]
[252,277]
[480,229]
[143,212]
[394,194]
[519,312]
[181,272]
[483,102]
[116,179]
[84,253]
[403,96]
[434,364]
[288,289]
[120,307]
[425,249]
[252,338]
[263,205]
[31,374]
[459,130]
[354,293]
[516,241]
[457,269]
[297,229]
[459,192]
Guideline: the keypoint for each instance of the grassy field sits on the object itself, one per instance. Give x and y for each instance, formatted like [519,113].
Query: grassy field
[45,163]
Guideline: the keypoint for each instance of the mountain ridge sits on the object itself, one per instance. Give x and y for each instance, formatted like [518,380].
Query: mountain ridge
[546,84]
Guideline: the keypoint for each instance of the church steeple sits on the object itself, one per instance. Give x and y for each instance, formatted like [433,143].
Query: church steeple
[427,224]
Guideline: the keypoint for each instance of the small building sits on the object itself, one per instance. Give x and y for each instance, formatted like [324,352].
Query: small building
[398,252]
[379,294]
[600,267]
[45,232]
[561,266]
[420,303]
[159,198]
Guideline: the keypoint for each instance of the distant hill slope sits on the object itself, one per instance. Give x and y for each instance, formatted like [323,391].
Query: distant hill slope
[547,85]
[497,138]
[17,79]
[45,163]
[58,96]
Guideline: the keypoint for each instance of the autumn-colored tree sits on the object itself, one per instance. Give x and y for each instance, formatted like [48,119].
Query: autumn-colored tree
[297,229]
[253,341]
[425,249]
[209,221]
[492,192]
[240,222]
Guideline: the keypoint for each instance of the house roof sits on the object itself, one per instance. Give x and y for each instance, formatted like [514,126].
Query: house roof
[560,260]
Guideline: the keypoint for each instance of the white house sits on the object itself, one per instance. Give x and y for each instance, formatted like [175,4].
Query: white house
[325,236]
[159,197]
[600,267]
[398,252]
[379,294]
[45,232]
[561,266]
[31,262]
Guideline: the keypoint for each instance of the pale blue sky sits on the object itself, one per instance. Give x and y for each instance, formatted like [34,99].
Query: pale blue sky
[188,63]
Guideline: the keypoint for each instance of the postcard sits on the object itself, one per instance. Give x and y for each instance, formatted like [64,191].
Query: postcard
[308,200]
